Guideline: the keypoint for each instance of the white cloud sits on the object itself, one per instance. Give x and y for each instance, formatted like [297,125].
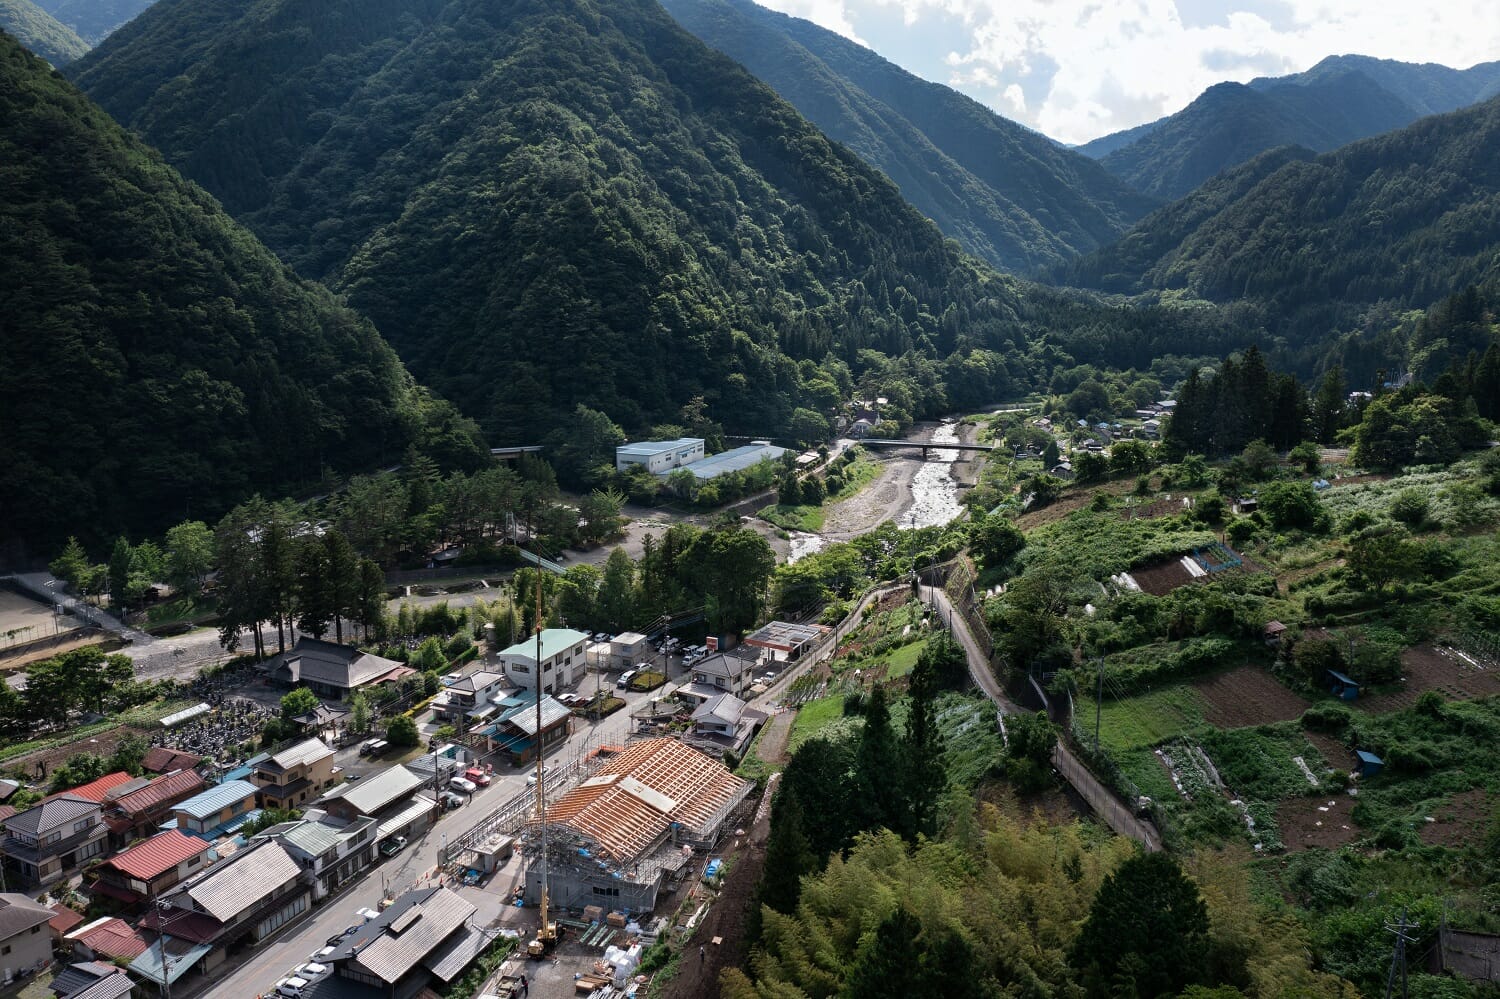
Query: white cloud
[1097,66]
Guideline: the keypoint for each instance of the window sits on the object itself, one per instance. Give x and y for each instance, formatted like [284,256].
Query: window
[609,892]
[82,825]
[6,948]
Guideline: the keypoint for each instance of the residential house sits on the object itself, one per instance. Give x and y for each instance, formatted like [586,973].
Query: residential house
[1062,470]
[296,774]
[659,457]
[515,730]
[390,798]
[332,853]
[729,672]
[218,810]
[726,720]
[423,935]
[334,671]
[92,980]
[150,867]
[163,760]
[138,812]
[618,837]
[51,840]
[107,939]
[101,788]
[243,898]
[469,698]
[25,944]
[1151,429]
[562,660]
[860,428]
[627,649]
[64,920]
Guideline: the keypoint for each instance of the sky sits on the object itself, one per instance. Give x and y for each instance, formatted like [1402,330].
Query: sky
[1079,69]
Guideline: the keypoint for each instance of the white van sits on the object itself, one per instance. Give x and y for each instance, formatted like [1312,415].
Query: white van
[625,678]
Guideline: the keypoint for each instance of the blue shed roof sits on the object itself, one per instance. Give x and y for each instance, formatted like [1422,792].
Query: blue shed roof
[1365,757]
[1343,678]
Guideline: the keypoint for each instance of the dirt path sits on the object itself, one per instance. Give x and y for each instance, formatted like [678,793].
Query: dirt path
[774,739]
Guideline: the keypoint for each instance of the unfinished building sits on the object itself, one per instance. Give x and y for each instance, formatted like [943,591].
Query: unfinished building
[623,834]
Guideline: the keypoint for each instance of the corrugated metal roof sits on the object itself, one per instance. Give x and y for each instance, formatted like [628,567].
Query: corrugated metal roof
[391,955]
[157,855]
[419,806]
[735,460]
[249,877]
[98,790]
[114,986]
[181,956]
[554,640]
[215,799]
[301,754]
[377,792]
[524,717]
[646,449]
[162,759]
[111,937]
[177,785]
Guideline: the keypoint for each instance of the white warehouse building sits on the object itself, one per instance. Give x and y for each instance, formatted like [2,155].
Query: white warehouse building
[659,457]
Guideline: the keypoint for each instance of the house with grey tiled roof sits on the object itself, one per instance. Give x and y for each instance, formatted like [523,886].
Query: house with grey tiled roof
[242,899]
[332,852]
[51,840]
[25,943]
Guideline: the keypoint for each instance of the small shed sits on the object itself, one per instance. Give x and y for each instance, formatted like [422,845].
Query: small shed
[1367,764]
[1274,632]
[1246,505]
[1343,686]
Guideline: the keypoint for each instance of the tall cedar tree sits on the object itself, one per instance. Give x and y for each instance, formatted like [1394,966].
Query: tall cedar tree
[882,771]
[1147,931]
[924,741]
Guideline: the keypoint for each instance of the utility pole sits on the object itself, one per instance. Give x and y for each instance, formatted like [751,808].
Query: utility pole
[1398,959]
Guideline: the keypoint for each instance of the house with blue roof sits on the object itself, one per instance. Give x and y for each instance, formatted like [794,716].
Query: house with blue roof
[219,811]
[515,731]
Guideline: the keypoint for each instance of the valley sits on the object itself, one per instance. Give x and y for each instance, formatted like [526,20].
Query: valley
[663,501]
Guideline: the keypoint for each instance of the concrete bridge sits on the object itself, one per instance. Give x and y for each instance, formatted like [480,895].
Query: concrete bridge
[927,447]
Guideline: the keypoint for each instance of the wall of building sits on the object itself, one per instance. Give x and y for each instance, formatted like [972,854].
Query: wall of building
[20,954]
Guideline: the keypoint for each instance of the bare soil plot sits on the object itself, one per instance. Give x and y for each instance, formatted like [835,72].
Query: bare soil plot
[1165,575]
[1430,667]
[1247,695]
[1069,503]
[1461,820]
[23,619]
[1337,755]
[1310,822]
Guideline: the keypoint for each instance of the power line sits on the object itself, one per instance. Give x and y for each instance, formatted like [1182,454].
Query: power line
[1398,959]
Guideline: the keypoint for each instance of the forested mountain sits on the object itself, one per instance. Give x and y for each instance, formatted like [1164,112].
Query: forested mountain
[1397,221]
[155,359]
[94,19]
[40,32]
[1006,193]
[548,202]
[1340,100]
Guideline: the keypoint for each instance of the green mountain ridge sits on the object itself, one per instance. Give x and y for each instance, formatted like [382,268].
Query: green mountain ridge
[1007,194]
[543,203]
[1395,222]
[40,32]
[1340,100]
[156,361]
[94,19]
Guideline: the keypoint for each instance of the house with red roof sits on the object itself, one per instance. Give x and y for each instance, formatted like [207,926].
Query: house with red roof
[151,866]
[63,921]
[108,939]
[98,790]
[138,812]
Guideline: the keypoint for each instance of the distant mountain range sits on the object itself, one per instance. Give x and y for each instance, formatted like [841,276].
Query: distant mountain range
[40,32]
[156,361]
[93,20]
[1338,101]
[1397,221]
[1006,193]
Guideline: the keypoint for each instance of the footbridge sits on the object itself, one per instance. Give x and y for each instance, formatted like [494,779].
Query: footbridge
[926,447]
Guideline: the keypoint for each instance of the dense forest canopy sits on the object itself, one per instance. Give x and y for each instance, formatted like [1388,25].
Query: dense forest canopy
[155,359]
[40,32]
[1007,194]
[542,204]
[94,19]
[1338,243]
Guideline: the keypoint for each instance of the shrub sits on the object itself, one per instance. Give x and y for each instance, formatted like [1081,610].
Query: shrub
[1331,718]
[1411,506]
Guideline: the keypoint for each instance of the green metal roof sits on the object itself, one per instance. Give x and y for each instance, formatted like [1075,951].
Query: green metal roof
[554,640]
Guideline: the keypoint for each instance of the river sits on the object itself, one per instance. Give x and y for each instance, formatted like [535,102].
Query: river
[934,491]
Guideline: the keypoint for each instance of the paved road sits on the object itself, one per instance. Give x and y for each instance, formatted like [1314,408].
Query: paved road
[1103,801]
[272,961]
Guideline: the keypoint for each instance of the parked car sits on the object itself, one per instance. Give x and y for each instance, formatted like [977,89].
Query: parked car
[478,776]
[625,678]
[291,986]
[310,971]
[368,914]
[451,678]
[323,954]
[531,777]
[463,784]
[393,846]
[452,801]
